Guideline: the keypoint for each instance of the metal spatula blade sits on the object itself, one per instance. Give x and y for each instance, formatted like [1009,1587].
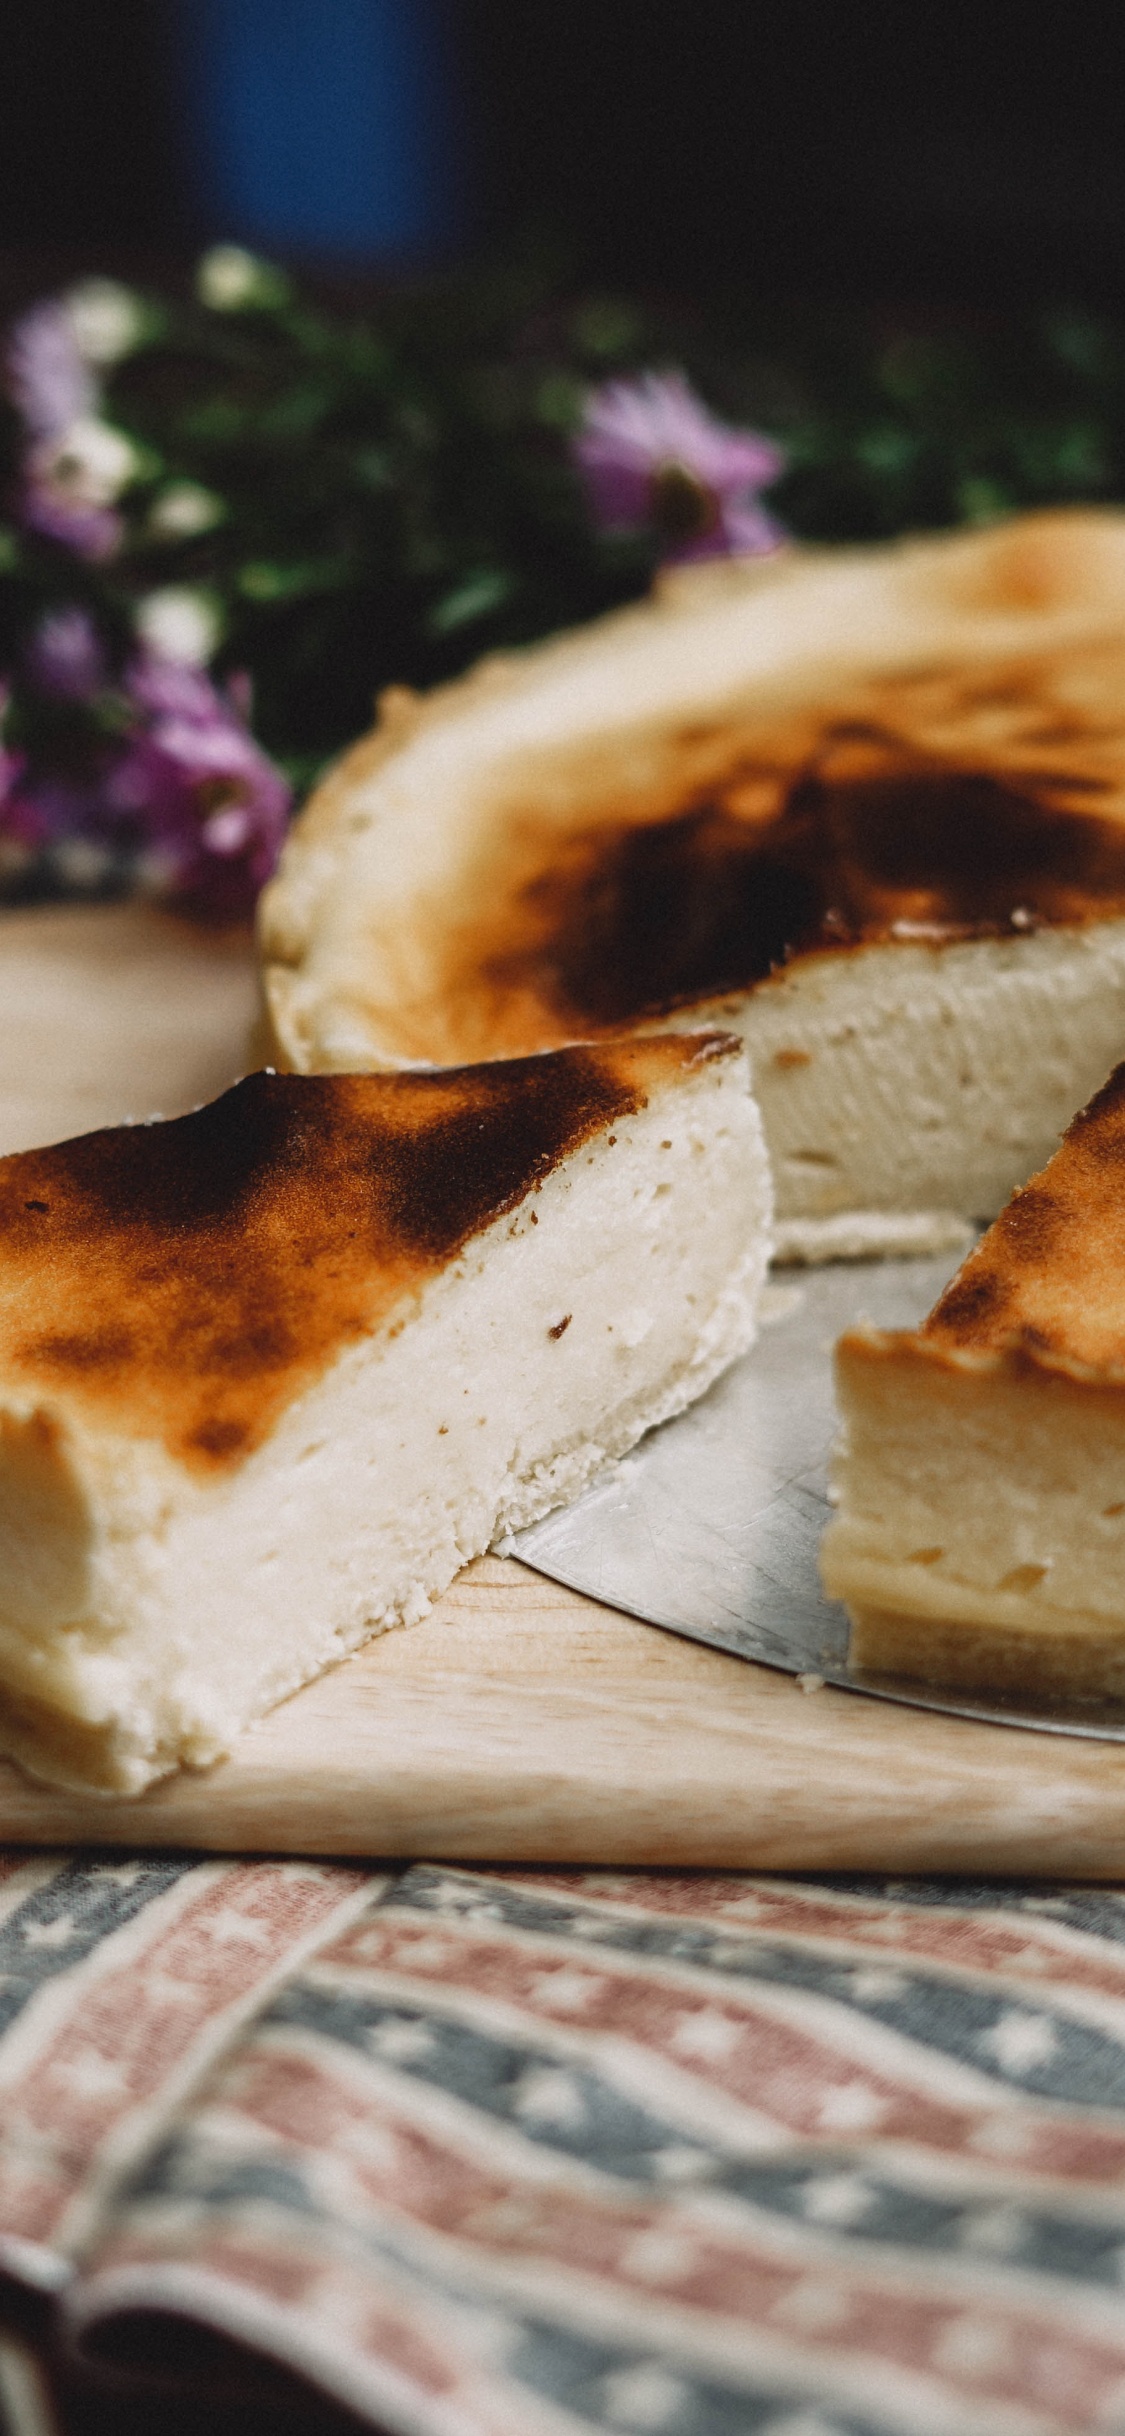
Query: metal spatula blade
[711,1526]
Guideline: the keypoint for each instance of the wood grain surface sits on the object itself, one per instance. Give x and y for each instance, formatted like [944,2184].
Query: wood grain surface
[115,1013]
[520,1722]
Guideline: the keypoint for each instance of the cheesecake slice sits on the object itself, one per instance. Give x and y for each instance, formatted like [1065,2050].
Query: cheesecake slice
[270,1373]
[864,807]
[979,1539]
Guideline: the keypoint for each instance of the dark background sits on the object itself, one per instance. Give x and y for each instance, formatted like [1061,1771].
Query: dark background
[889,149]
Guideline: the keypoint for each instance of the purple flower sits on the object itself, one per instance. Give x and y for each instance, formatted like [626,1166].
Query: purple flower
[187,803]
[43,810]
[49,819]
[64,659]
[46,809]
[49,381]
[16,845]
[651,454]
[75,465]
[210,805]
[92,533]
[70,483]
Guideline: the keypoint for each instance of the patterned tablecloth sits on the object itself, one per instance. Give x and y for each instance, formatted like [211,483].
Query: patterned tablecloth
[450,2152]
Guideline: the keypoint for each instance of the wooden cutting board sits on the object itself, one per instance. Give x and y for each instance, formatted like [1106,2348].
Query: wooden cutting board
[520,1722]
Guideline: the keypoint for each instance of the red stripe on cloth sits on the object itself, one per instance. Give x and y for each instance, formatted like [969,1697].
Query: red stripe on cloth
[24,1874]
[338,2324]
[779,2280]
[746,2043]
[15,1861]
[1032,1950]
[138,2027]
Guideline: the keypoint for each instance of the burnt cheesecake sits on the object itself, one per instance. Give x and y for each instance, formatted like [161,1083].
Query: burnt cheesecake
[864,807]
[979,1538]
[270,1373]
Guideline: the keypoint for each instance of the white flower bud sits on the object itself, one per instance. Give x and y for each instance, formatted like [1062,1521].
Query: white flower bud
[91,462]
[229,279]
[183,509]
[180,623]
[79,862]
[155,872]
[106,318]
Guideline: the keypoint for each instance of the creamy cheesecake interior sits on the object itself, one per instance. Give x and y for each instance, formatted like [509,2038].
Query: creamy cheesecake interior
[979,1537]
[867,808]
[271,1373]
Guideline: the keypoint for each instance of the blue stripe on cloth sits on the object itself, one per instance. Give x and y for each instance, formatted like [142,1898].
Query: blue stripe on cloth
[603,2386]
[62,1922]
[362,2144]
[1096,1910]
[602,2383]
[616,2136]
[486,2072]
[1033,2045]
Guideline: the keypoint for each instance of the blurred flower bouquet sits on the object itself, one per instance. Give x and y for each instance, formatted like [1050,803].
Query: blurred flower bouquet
[122,761]
[228,518]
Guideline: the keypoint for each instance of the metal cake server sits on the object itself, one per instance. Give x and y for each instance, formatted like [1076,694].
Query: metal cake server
[711,1526]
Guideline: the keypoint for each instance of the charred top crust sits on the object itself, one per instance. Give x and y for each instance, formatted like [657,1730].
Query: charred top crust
[694,907]
[936,805]
[185,1280]
[1047,1283]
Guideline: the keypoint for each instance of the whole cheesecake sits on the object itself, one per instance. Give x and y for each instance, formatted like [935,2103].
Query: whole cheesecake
[270,1373]
[866,808]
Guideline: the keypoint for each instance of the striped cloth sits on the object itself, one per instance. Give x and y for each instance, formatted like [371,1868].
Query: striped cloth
[532,2153]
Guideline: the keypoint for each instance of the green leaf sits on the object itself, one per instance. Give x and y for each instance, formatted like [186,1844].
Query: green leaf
[475,597]
[374,468]
[607,327]
[558,401]
[889,449]
[263,580]
[980,500]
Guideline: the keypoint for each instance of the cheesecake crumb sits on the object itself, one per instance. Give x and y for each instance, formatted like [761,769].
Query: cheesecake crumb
[561,1326]
[810,1683]
[1023,1577]
[779,1303]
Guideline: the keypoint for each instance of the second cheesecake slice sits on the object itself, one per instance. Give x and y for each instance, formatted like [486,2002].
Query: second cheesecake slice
[979,1540]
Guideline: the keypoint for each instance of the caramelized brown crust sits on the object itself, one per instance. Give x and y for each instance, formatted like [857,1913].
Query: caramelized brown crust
[1047,1283]
[186,1280]
[944,804]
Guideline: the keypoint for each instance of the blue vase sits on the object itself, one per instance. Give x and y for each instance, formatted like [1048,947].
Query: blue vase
[326,128]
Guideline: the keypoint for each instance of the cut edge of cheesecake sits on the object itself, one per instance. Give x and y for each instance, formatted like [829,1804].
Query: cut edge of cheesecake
[978,1541]
[870,1235]
[272,1373]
